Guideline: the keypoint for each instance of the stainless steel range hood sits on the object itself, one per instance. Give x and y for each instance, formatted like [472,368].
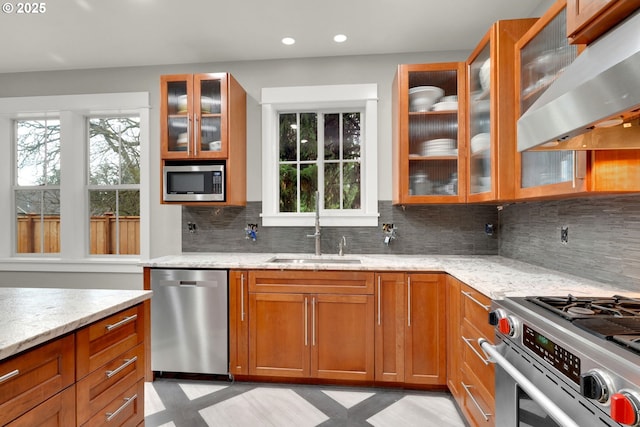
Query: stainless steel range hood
[602,86]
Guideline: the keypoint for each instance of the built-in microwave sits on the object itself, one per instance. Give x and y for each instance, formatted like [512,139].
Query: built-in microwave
[193,183]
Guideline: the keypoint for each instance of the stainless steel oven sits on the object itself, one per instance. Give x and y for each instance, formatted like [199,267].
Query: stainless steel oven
[557,366]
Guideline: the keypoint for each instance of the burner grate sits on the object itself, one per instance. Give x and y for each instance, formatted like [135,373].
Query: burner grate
[606,327]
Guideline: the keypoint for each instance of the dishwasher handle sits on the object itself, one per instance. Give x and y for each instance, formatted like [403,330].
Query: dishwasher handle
[534,392]
[189,283]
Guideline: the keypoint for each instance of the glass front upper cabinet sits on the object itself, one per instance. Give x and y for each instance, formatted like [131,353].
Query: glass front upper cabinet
[544,53]
[491,112]
[427,135]
[192,116]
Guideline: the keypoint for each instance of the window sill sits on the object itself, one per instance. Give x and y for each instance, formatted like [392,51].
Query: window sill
[88,265]
[301,220]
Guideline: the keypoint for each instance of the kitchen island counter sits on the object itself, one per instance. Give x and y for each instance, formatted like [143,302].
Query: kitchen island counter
[31,316]
[493,275]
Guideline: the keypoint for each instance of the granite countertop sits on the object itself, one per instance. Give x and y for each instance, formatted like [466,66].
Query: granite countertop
[31,316]
[493,275]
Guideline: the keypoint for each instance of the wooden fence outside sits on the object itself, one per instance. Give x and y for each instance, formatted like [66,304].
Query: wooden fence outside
[33,230]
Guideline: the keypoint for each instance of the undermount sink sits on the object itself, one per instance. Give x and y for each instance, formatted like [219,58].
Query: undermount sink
[278,260]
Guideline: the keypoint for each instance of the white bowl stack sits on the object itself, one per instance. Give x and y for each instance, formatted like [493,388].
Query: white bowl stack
[422,98]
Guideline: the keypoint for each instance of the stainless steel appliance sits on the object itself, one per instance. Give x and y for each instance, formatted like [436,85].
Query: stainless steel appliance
[193,182]
[597,89]
[566,361]
[189,321]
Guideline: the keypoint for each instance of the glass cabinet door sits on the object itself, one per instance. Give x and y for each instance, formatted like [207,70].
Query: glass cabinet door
[480,161]
[432,134]
[542,59]
[208,115]
[178,116]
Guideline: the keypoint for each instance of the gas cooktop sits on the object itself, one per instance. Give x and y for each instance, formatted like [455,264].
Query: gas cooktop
[615,318]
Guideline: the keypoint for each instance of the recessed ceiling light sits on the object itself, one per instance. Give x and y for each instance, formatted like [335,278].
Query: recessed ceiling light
[288,41]
[339,38]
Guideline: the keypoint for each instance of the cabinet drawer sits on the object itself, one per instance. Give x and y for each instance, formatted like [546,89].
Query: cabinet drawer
[124,409]
[97,389]
[475,308]
[57,411]
[28,379]
[479,406]
[473,358]
[100,342]
[317,282]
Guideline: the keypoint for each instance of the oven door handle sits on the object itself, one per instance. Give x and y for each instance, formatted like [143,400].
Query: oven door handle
[534,393]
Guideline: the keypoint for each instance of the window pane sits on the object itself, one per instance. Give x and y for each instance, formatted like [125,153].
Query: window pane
[288,188]
[308,136]
[308,187]
[115,222]
[288,137]
[332,186]
[114,151]
[351,135]
[351,189]
[38,221]
[38,152]
[331,136]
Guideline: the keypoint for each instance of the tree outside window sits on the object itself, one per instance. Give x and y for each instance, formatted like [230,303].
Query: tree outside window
[319,151]
[114,181]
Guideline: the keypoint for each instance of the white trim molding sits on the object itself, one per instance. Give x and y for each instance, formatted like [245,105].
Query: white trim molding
[275,100]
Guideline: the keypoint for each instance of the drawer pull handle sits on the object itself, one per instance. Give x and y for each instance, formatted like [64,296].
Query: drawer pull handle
[121,323]
[468,295]
[127,401]
[10,375]
[485,415]
[126,363]
[468,342]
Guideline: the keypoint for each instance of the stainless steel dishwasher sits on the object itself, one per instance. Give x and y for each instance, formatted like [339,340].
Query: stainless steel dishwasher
[189,322]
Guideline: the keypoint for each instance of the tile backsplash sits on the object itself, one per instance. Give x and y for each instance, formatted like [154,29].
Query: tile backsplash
[441,229]
[603,237]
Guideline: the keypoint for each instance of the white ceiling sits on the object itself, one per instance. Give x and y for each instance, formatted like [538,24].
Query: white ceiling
[75,34]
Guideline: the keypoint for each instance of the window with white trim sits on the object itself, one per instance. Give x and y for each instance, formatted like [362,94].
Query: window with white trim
[72,158]
[320,139]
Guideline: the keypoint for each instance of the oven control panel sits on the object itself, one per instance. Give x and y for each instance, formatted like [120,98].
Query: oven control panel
[561,359]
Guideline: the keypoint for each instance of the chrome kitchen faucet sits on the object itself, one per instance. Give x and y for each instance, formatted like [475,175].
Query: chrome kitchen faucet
[317,233]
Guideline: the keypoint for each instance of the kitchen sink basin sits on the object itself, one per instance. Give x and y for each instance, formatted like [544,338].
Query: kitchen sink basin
[278,260]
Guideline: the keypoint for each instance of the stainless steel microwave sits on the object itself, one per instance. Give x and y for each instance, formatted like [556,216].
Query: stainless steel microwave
[194,183]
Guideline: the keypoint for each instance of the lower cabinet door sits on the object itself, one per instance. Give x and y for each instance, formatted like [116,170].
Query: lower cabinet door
[425,330]
[342,337]
[124,410]
[279,339]
[97,390]
[57,411]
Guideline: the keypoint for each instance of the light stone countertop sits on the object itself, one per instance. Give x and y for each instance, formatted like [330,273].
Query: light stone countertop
[493,275]
[32,316]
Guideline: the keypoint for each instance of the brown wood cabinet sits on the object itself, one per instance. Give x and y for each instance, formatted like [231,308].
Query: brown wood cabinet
[91,377]
[110,368]
[589,19]
[203,119]
[311,324]
[471,375]
[30,378]
[543,54]
[238,322]
[492,112]
[411,328]
[429,141]
[57,411]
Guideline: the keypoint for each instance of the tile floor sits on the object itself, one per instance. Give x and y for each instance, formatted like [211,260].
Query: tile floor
[198,403]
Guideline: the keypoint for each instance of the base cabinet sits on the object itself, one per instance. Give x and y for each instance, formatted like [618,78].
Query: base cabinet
[471,375]
[238,322]
[411,328]
[93,376]
[320,331]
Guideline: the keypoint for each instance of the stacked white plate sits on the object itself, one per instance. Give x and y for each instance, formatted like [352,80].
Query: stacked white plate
[480,142]
[445,106]
[438,147]
[422,98]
